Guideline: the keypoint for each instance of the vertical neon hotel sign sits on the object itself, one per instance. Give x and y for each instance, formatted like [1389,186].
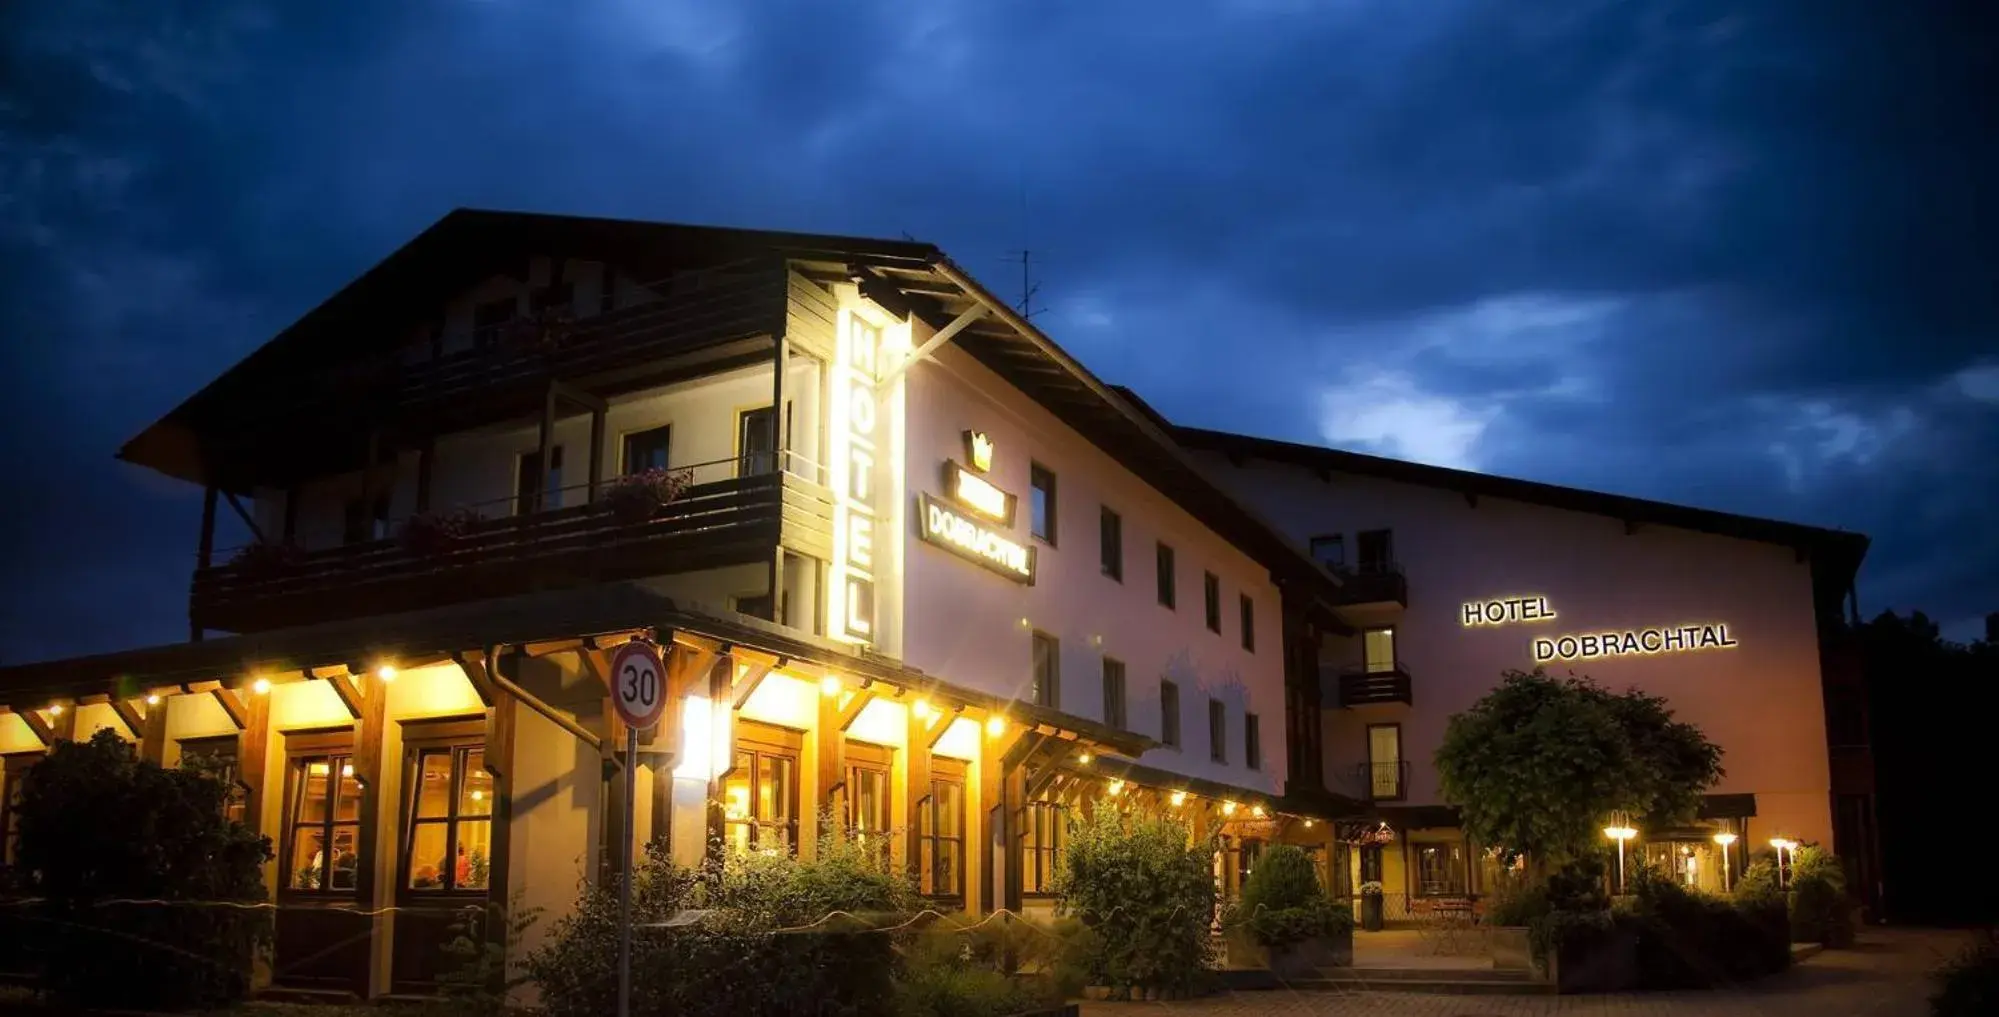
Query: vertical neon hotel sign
[855,449]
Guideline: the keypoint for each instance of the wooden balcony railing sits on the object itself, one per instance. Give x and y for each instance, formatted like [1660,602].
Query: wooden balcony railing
[1364,685]
[1377,583]
[735,520]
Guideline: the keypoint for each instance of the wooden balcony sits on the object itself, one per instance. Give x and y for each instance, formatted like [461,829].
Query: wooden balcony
[732,521]
[1365,685]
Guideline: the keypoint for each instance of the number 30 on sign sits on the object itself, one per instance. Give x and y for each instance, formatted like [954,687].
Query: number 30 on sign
[638,684]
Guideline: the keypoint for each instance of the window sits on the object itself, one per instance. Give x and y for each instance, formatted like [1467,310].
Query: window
[1169,714]
[1211,588]
[490,321]
[356,527]
[757,605]
[1384,762]
[322,825]
[1047,690]
[1218,731]
[217,755]
[450,841]
[647,449]
[1377,648]
[551,297]
[1248,623]
[756,442]
[1110,529]
[1252,742]
[869,808]
[12,769]
[760,797]
[941,829]
[1247,853]
[1167,594]
[1330,550]
[528,473]
[1041,503]
[607,291]
[1044,827]
[1375,550]
[1440,870]
[1114,693]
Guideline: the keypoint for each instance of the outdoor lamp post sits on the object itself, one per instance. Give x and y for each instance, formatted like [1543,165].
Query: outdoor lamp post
[1724,839]
[1620,833]
[1783,844]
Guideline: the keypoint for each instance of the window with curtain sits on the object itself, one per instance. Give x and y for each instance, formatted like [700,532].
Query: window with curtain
[1041,502]
[941,829]
[1384,757]
[1047,690]
[1252,741]
[449,844]
[1218,731]
[1377,647]
[1163,571]
[322,828]
[1110,532]
[1440,870]
[1114,713]
[760,798]
[648,449]
[1211,588]
[870,806]
[1169,714]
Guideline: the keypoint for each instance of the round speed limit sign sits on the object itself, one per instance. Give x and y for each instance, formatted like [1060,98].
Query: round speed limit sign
[638,684]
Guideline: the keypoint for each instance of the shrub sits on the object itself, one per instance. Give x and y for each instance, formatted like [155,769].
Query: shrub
[635,498]
[1144,899]
[428,533]
[1820,912]
[263,560]
[1519,904]
[1968,986]
[96,825]
[758,936]
[1689,939]
[1759,882]
[956,968]
[1282,902]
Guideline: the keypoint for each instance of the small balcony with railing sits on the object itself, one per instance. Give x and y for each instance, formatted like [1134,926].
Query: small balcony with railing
[689,518]
[1372,683]
[1371,584]
[1374,781]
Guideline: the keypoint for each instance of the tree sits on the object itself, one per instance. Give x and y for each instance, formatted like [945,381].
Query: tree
[136,869]
[1539,763]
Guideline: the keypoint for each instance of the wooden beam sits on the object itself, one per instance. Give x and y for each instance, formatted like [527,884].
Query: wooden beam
[943,728]
[499,757]
[746,686]
[255,531]
[503,678]
[543,649]
[232,704]
[852,710]
[373,888]
[205,554]
[918,782]
[832,749]
[426,457]
[128,715]
[153,740]
[596,663]
[350,696]
[479,673]
[597,428]
[252,738]
[39,725]
[538,494]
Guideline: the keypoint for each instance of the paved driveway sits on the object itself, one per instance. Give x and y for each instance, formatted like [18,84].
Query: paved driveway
[1886,976]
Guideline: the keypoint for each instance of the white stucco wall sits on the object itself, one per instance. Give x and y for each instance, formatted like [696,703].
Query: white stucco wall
[974,627]
[1760,701]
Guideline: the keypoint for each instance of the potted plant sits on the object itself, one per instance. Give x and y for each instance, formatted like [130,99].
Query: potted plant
[429,533]
[1287,914]
[637,497]
[1370,905]
[264,559]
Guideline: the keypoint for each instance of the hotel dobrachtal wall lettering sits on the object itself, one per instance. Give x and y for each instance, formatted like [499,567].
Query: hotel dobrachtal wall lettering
[965,524]
[1594,645]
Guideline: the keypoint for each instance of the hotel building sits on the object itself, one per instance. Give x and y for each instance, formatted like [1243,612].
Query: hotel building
[923,574]
[1451,578]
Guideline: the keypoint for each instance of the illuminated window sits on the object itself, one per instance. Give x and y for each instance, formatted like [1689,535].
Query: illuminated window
[1377,647]
[1218,731]
[1440,870]
[1330,550]
[1041,503]
[322,848]
[1169,714]
[647,449]
[449,843]
[760,797]
[1384,762]
[1168,595]
[1047,690]
[1114,714]
[1044,829]
[1252,741]
[527,496]
[941,829]
[1111,532]
[1248,623]
[870,809]
[1211,588]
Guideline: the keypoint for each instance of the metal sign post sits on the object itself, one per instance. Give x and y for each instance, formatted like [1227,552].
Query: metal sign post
[638,693]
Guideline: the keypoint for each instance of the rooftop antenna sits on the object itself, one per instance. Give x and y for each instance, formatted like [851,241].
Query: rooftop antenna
[1028,287]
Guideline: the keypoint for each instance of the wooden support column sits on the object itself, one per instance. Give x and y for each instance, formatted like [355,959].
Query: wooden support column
[251,743]
[1013,813]
[597,422]
[500,719]
[918,779]
[373,891]
[153,733]
[291,515]
[204,556]
[538,498]
[831,732]
[372,454]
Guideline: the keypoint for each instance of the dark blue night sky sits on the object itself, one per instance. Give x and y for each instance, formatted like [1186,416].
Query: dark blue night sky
[1740,256]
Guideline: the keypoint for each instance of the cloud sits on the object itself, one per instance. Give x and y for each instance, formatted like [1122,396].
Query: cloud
[1386,413]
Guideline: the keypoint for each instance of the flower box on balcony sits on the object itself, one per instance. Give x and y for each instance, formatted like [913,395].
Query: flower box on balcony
[638,497]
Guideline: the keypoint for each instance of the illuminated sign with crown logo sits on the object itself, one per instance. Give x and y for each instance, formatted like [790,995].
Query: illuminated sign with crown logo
[965,525]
